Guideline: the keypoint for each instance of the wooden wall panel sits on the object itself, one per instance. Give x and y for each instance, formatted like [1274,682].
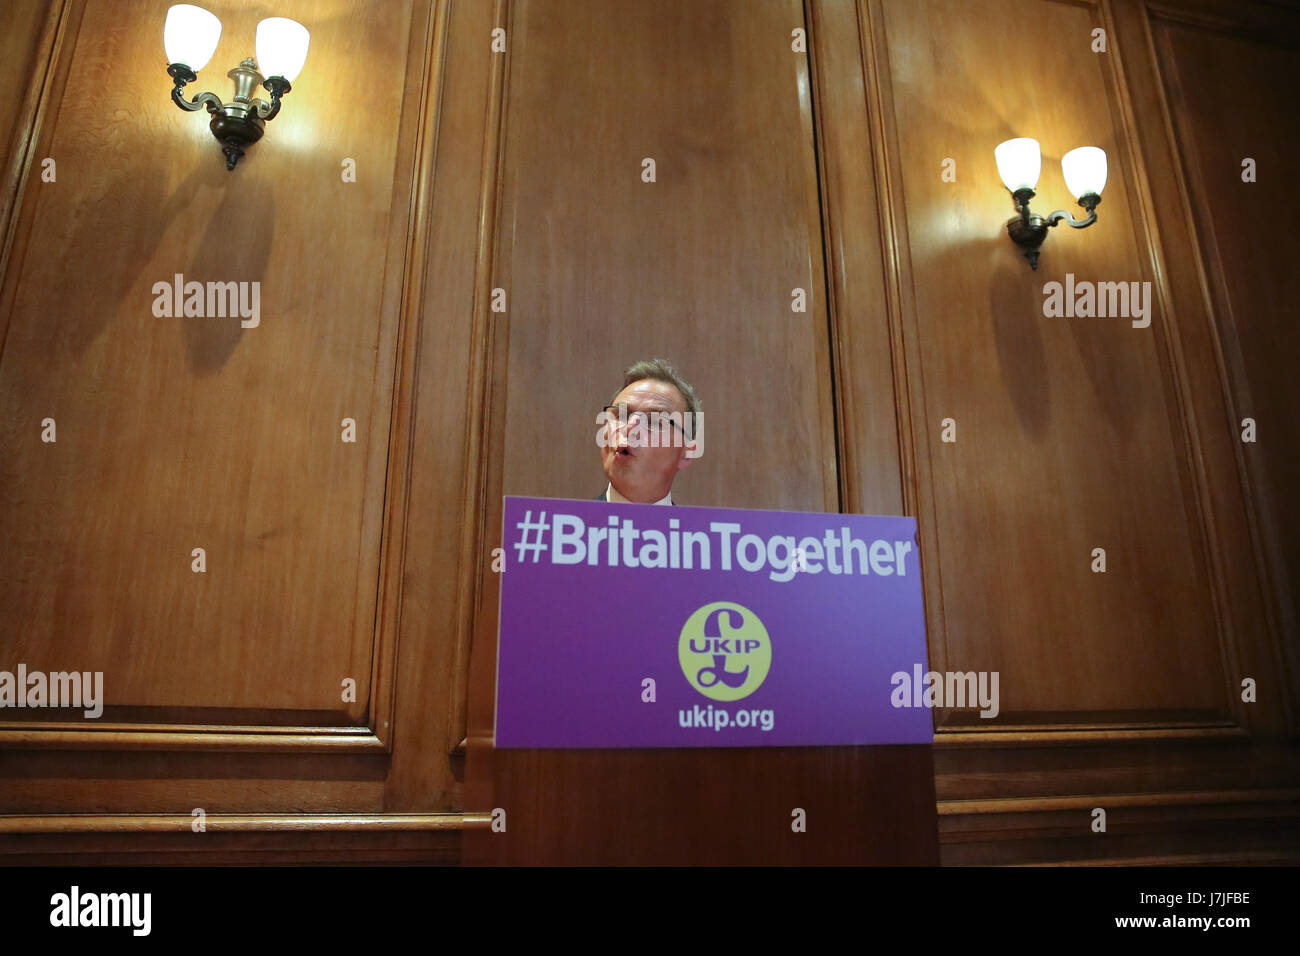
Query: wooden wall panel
[871,390]
[1067,428]
[355,280]
[1218,81]
[441,567]
[1118,691]
[201,433]
[603,269]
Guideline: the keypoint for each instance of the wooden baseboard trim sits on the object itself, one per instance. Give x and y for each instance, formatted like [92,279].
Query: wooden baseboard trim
[1087,801]
[241,822]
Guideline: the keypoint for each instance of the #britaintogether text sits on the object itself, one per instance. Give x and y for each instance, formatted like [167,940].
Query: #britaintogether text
[622,544]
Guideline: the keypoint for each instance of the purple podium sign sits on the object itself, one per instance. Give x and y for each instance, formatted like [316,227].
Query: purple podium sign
[668,626]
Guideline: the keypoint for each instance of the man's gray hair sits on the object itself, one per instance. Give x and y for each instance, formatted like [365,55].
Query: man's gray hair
[662,371]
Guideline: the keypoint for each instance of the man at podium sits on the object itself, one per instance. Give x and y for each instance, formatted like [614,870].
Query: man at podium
[651,429]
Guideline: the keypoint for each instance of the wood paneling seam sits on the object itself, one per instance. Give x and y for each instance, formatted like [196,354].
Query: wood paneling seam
[1147,227]
[896,245]
[401,429]
[474,485]
[27,135]
[1209,258]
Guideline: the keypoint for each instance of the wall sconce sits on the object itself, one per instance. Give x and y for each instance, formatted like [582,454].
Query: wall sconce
[1019,163]
[190,36]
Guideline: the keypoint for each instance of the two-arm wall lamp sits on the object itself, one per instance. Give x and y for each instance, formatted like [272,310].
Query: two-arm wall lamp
[190,36]
[1019,163]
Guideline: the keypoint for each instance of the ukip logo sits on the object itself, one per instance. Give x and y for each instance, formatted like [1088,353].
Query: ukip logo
[725,651]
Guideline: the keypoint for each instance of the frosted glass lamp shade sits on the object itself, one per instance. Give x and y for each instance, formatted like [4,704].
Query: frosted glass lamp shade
[281,47]
[1019,163]
[190,35]
[1085,170]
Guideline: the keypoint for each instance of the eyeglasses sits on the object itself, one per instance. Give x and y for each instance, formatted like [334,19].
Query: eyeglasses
[618,414]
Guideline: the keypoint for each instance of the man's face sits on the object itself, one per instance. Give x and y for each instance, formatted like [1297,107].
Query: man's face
[641,473]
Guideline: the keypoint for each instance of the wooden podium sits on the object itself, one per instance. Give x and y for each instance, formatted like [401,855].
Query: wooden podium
[710,807]
[688,806]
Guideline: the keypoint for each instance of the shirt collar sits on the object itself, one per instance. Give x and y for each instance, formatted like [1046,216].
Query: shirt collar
[610,494]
